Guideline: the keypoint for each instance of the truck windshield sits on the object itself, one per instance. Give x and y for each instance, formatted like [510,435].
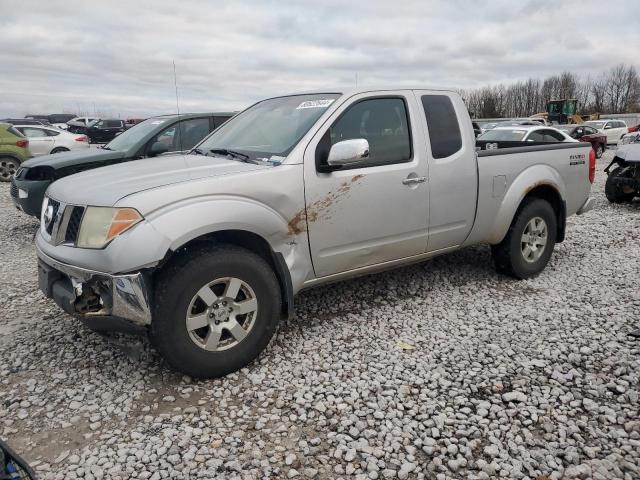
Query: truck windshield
[269,128]
[135,134]
[503,134]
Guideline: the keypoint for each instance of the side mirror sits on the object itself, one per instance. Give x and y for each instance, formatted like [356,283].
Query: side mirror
[158,148]
[348,152]
[607,127]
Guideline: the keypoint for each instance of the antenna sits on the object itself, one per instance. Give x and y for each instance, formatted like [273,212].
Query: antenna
[179,126]
[356,79]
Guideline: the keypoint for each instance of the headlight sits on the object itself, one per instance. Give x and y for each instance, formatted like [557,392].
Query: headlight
[100,225]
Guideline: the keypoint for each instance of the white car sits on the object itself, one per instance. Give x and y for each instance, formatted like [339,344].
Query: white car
[526,133]
[633,137]
[79,124]
[46,140]
[613,129]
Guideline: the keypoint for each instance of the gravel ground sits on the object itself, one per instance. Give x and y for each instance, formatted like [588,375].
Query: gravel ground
[440,370]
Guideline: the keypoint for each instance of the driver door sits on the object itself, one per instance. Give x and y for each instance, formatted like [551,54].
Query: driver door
[376,211]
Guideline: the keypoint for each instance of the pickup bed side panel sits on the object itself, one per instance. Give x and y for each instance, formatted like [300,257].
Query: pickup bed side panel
[506,178]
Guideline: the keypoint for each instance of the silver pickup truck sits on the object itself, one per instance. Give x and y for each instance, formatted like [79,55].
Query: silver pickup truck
[206,251]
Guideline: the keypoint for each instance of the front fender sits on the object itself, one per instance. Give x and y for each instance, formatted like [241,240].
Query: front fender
[529,179]
[184,221]
[187,220]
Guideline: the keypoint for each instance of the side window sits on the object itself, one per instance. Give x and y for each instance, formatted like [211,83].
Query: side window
[169,137]
[52,133]
[217,121]
[383,122]
[31,132]
[442,122]
[192,131]
[113,123]
[536,136]
[552,136]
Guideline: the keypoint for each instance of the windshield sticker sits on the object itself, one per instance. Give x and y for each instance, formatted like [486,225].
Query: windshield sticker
[322,103]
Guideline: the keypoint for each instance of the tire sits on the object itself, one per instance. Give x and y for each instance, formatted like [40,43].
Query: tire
[59,149]
[178,297]
[599,151]
[509,255]
[8,168]
[614,192]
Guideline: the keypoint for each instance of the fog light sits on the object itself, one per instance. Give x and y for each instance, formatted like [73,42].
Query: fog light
[22,193]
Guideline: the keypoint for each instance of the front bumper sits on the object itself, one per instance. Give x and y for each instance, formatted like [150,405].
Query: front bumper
[97,296]
[32,203]
[588,204]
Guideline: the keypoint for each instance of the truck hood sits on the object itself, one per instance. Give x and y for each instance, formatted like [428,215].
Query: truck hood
[78,157]
[105,186]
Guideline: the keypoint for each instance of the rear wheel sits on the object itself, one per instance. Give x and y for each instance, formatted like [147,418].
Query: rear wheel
[59,149]
[215,310]
[617,193]
[528,245]
[8,168]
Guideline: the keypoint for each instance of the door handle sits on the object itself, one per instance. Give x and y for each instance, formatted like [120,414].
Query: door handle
[414,180]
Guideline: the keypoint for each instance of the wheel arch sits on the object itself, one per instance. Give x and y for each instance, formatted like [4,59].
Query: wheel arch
[540,181]
[245,239]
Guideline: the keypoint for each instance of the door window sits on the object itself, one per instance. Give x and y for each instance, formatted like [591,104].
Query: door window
[442,123]
[383,122]
[31,132]
[169,137]
[192,131]
[553,136]
[536,136]
[217,121]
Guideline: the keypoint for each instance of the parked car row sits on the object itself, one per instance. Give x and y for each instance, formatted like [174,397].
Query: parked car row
[151,138]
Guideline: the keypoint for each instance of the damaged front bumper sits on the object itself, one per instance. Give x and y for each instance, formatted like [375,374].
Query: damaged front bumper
[98,297]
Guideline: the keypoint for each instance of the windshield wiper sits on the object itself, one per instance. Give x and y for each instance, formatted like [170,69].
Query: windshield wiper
[104,147]
[231,153]
[197,151]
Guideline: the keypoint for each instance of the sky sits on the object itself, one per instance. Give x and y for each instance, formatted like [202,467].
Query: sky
[116,58]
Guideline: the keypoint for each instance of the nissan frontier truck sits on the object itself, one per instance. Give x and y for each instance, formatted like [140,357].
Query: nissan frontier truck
[206,251]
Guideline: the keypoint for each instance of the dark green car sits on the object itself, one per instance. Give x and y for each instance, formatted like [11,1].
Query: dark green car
[14,149]
[151,138]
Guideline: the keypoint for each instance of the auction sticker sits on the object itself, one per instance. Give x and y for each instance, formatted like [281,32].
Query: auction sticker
[320,103]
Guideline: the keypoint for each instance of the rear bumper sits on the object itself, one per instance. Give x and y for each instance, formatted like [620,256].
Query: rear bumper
[586,206]
[96,296]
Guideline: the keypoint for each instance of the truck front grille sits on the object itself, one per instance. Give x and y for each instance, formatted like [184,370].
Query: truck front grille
[14,190]
[61,222]
[51,218]
[73,225]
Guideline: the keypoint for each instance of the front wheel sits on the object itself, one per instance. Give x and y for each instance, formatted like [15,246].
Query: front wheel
[528,245]
[8,168]
[616,193]
[215,310]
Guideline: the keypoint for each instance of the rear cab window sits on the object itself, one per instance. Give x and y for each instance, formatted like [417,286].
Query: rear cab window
[443,126]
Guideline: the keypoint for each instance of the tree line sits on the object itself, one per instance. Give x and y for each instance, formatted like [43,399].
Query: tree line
[614,91]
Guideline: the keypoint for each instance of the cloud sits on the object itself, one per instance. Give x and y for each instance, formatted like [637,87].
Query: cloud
[117,58]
